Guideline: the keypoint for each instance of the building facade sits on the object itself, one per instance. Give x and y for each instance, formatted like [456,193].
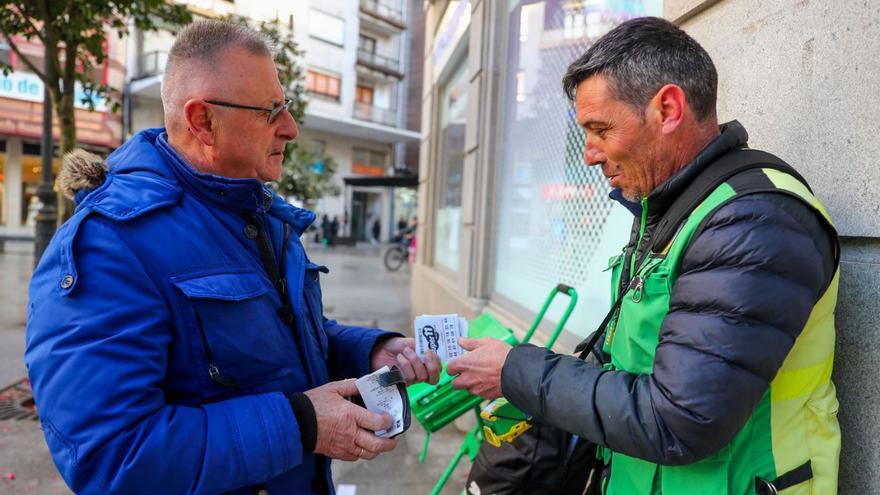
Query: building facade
[355,60]
[509,209]
[21,125]
[357,78]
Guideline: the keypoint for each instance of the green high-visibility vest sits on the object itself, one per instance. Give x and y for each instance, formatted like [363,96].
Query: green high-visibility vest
[795,421]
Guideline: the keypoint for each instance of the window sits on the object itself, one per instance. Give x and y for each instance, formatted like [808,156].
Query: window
[453,116]
[322,83]
[554,221]
[318,147]
[367,44]
[369,162]
[364,94]
[326,27]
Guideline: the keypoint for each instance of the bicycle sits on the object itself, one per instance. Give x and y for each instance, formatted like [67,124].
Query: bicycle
[396,256]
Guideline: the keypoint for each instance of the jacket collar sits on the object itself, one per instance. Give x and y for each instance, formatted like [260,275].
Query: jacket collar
[147,156]
[733,135]
[243,195]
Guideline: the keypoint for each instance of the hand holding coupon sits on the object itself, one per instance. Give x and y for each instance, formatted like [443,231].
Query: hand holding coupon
[440,333]
[384,390]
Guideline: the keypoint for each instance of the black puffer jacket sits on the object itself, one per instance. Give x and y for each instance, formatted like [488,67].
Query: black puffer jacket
[748,283]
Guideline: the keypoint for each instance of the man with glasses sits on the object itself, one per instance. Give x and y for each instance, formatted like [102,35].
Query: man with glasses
[176,339]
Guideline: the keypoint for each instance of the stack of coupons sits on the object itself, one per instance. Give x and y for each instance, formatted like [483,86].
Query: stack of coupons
[440,333]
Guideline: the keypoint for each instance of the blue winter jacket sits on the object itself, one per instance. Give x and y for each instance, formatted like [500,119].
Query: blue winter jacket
[159,362]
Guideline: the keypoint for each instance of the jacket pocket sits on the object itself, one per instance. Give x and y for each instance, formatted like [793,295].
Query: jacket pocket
[233,317]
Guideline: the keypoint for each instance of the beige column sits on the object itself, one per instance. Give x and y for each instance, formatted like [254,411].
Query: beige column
[12,178]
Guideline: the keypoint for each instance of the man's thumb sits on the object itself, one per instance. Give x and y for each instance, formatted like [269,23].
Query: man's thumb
[345,388]
[469,344]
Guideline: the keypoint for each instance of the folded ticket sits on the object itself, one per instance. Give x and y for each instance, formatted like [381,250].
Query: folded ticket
[440,333]
[379,398]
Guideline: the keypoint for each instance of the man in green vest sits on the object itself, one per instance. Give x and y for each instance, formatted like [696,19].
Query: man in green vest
[714,373]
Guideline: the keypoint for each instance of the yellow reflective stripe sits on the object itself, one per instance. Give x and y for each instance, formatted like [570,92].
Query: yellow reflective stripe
[790,184]
[800,382]
[816,341]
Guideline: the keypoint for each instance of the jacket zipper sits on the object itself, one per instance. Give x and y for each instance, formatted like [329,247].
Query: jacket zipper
[213,370]
[279,281]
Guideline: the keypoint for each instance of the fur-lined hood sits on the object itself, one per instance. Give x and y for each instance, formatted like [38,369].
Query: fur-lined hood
[81,171]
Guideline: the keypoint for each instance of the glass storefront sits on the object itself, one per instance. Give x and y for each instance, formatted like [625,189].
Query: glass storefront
[453,113]
[555,222]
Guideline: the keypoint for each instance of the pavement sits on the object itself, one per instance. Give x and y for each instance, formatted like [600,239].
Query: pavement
[358,290]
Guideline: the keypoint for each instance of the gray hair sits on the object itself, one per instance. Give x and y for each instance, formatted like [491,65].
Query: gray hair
[639,57]
[199,44]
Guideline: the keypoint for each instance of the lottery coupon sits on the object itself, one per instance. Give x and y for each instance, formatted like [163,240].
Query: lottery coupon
[379,399]
[440,333]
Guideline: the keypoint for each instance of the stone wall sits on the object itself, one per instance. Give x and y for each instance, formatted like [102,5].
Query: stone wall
[802,77]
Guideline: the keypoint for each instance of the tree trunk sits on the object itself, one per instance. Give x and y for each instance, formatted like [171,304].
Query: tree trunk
[64,111]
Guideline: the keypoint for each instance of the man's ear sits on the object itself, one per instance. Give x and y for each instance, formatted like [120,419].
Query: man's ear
[668,108]
[198,118]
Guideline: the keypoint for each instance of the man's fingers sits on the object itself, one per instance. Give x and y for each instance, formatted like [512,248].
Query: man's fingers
[345,388]
[421,373]
[373,444]
[457,366]
[372,421]
[409,374]
[459,383]
[432,363]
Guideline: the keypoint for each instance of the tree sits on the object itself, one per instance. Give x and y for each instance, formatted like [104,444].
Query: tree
[73,34]
[306,175]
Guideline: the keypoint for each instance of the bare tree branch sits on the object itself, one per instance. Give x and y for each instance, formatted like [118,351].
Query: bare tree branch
[30,65]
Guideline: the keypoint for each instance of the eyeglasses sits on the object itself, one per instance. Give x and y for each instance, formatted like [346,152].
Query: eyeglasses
[273,112]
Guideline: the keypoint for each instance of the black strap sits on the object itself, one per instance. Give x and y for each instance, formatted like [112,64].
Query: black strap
[586,345]
[730,164]
[796,476]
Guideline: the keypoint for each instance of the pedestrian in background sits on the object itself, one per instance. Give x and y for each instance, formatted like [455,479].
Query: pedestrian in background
[176,341]
[715,369]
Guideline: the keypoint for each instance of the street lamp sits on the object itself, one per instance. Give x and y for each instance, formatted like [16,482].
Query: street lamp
[47,217]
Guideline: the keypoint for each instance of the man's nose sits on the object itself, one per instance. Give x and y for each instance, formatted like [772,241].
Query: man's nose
[592,155]
[287,128]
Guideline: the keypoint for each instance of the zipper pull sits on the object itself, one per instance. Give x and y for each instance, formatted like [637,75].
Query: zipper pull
[213,371]
[283,283]
[217,377]
[638,283]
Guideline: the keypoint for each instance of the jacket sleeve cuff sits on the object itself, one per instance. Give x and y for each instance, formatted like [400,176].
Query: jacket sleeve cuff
[351,348]
[304,412]
[251,439]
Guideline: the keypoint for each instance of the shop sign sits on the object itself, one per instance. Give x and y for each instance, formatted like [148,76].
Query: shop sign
[564,192]
[28,86]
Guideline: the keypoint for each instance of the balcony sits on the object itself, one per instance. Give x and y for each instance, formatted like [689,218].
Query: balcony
[384,116]
[381,63]
[153,63]
[383,12]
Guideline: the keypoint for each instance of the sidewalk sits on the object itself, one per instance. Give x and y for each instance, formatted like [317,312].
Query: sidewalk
[358,290]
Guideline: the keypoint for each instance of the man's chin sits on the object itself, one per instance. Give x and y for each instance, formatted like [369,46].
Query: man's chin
[630,195]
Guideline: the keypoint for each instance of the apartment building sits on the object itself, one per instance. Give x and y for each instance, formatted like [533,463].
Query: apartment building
[356,63]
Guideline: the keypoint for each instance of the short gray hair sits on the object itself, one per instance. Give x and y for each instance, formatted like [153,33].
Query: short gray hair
[202,42]
[642,55]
